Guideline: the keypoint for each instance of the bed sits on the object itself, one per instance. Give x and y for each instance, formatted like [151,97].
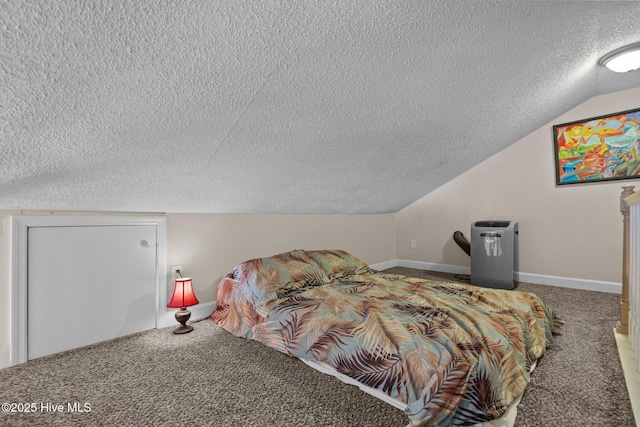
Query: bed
[445,353]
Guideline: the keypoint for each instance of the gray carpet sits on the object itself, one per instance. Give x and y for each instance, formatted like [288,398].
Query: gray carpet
[209,377]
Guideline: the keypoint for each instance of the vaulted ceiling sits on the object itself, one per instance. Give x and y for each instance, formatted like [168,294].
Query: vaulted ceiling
[323,107]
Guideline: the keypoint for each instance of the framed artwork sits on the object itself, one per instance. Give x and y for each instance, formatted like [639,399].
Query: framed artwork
[598,149]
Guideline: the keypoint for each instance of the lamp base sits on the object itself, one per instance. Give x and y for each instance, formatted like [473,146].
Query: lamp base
[182,316]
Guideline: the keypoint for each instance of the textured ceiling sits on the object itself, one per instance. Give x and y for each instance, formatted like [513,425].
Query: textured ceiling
[331,107]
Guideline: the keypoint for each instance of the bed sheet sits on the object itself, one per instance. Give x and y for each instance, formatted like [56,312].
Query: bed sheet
[506,420]
[452,354]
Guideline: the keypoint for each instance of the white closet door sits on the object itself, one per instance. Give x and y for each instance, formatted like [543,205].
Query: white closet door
[88,284]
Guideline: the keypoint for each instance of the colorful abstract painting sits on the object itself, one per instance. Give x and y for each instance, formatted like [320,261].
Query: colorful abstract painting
[598,149]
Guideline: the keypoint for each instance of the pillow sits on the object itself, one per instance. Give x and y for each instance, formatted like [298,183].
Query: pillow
[338,263]
[281,273]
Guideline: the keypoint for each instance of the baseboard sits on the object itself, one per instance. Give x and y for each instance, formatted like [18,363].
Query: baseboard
[384,265]
[569,282]
[443,268]
[198,312]
[539,279]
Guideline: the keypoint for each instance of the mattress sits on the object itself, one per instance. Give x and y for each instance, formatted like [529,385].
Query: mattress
[444,353]
[507,420]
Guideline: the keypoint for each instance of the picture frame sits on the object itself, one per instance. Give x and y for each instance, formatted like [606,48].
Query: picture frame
[602,148]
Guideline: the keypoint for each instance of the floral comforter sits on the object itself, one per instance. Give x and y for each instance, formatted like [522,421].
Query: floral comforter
[455,354]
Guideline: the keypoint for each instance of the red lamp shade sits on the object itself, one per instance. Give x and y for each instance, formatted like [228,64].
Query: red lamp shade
[183,295]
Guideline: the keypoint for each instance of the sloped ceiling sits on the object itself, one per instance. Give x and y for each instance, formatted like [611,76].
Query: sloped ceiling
[311,107]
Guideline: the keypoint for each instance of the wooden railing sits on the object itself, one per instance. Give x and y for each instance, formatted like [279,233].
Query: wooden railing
[630,298]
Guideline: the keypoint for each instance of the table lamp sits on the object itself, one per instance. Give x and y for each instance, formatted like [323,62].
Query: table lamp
[182,298]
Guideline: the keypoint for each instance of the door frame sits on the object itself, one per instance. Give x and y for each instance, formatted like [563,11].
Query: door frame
[19,280]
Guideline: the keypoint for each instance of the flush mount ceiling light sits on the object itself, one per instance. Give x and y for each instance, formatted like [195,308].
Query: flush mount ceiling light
[626,58]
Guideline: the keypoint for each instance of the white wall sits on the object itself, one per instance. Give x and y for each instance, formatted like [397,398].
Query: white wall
[208,246]
[569,231]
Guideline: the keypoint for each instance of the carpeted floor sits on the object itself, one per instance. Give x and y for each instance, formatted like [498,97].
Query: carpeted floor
[210,377]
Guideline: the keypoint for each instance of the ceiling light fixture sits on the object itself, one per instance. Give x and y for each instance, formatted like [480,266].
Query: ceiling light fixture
[626,58]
